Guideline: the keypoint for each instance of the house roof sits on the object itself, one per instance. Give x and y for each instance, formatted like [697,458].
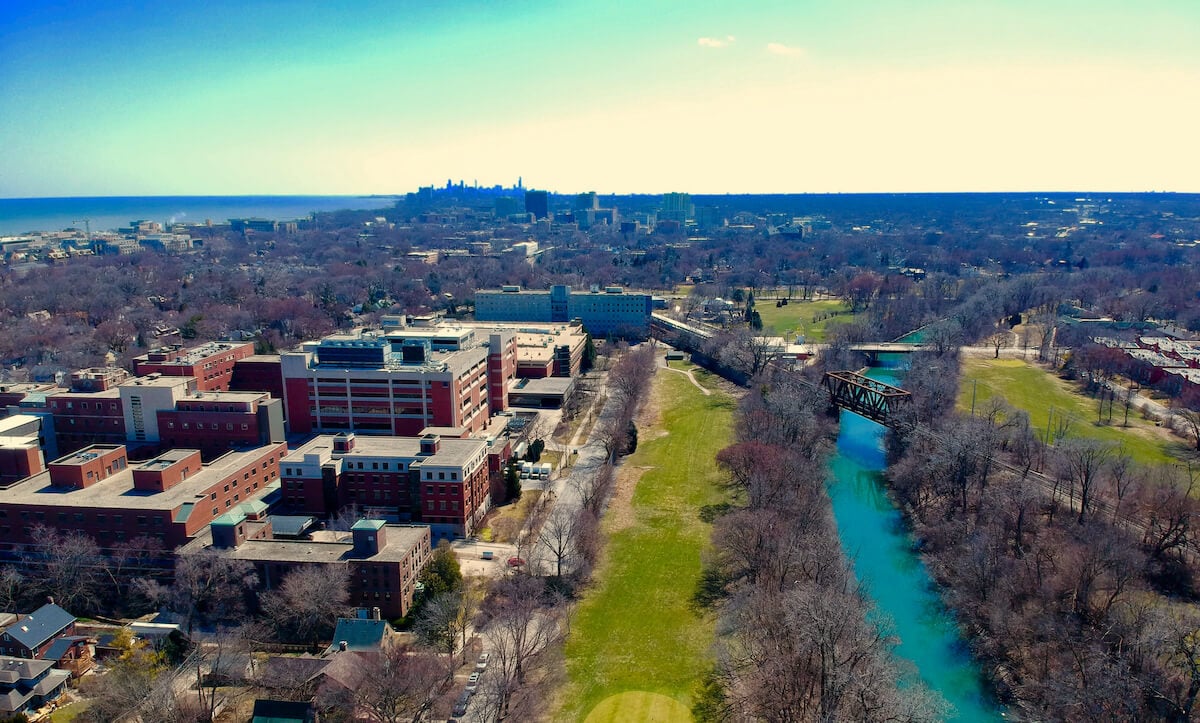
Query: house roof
[59,647]
[360,634]
[39,626]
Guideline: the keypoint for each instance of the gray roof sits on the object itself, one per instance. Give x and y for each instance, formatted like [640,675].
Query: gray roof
[39,626]
[60,647]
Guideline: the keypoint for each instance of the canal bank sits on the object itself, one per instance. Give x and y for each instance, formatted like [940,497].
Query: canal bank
[874,535]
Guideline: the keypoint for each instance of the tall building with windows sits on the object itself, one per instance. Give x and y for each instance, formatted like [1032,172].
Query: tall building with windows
[611,310]
[397,380]
[441,482]
[538,203]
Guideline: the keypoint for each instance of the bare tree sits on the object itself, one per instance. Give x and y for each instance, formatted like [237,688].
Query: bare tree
[11,583]
[521,624]
[209,588]
[445,622]
[1083,461]
[401,683]
[68,567]
[1187,415]
[305,607]
[998,339]
[557,536]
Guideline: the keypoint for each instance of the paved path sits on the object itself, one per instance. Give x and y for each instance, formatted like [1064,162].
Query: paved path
[691,378]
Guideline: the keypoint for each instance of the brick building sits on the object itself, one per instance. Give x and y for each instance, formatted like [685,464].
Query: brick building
[444,483]
[371,385]
[384,559]
[172,497]
[215,422]
[211,364]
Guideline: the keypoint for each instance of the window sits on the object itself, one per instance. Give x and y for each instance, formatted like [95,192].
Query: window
[441,475]
[428,489]
[141,519]
[213,496]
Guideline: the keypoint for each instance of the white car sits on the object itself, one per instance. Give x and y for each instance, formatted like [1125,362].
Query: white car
[473,682]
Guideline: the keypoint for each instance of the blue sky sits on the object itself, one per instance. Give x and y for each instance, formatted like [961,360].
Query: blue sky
[156,98]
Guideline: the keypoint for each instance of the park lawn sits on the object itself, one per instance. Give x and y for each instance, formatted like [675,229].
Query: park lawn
[635,629]
[797,317]
[1035,390]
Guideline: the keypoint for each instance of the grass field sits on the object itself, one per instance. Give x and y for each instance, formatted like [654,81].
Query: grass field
[67,713]
[797,317]
[1035,390]
[635,630]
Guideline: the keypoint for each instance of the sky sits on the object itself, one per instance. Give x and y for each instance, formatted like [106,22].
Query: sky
[754,96]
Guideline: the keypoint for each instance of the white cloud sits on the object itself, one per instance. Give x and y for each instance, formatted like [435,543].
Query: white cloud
[781,49]
[716,42]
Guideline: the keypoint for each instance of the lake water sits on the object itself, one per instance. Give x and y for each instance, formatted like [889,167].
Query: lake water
[874,535]
[21,215]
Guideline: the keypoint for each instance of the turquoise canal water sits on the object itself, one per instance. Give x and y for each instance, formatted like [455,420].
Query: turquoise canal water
[874,535]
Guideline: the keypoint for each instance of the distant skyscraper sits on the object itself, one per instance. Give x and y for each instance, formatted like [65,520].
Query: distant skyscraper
[676,207]
[587,201]
[538,203]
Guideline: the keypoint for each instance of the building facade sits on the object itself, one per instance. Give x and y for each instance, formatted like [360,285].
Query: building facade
[99,492]
[608,311]
[211,364]
[444,483]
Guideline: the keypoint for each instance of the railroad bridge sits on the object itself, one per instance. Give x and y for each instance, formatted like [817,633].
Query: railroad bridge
[865,396]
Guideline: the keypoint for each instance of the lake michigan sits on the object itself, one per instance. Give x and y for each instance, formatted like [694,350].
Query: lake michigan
[22,215]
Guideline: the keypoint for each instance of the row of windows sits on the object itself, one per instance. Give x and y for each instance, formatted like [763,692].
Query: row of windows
[99,406]
[214,427]
[101,518]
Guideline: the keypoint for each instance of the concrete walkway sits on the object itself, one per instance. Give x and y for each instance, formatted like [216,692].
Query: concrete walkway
[687,373]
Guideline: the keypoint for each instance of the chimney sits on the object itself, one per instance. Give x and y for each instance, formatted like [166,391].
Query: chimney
[50,600]
[375,614]
[343,645]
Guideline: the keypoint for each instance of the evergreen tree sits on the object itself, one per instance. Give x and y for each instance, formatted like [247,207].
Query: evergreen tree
[442,574]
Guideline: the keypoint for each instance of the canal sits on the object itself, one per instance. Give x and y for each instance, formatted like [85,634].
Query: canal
[874,535]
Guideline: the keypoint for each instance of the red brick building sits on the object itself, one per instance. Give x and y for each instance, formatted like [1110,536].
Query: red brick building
[384,559]
[211,364]
[441,482]
[98,491]
[215,422]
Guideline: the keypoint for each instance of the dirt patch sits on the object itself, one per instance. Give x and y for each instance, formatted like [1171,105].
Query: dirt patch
[621,514]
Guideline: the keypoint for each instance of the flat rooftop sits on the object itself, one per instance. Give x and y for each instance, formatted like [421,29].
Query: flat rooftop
[224,396]
[156,380]
[118,491]
[401,539]
[451,452]
[189,356]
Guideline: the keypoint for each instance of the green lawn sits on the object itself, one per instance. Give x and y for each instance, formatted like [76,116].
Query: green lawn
[635,630]
[797,317]
[1035,390]
[67,713]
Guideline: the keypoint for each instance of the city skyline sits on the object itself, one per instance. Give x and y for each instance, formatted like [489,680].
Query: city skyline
[104,99]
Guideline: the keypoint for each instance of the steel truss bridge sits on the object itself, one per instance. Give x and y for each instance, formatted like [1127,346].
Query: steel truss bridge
[865,396]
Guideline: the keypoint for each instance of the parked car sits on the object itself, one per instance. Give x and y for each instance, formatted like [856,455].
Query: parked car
[488,554]
[460,707]
[473,682]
